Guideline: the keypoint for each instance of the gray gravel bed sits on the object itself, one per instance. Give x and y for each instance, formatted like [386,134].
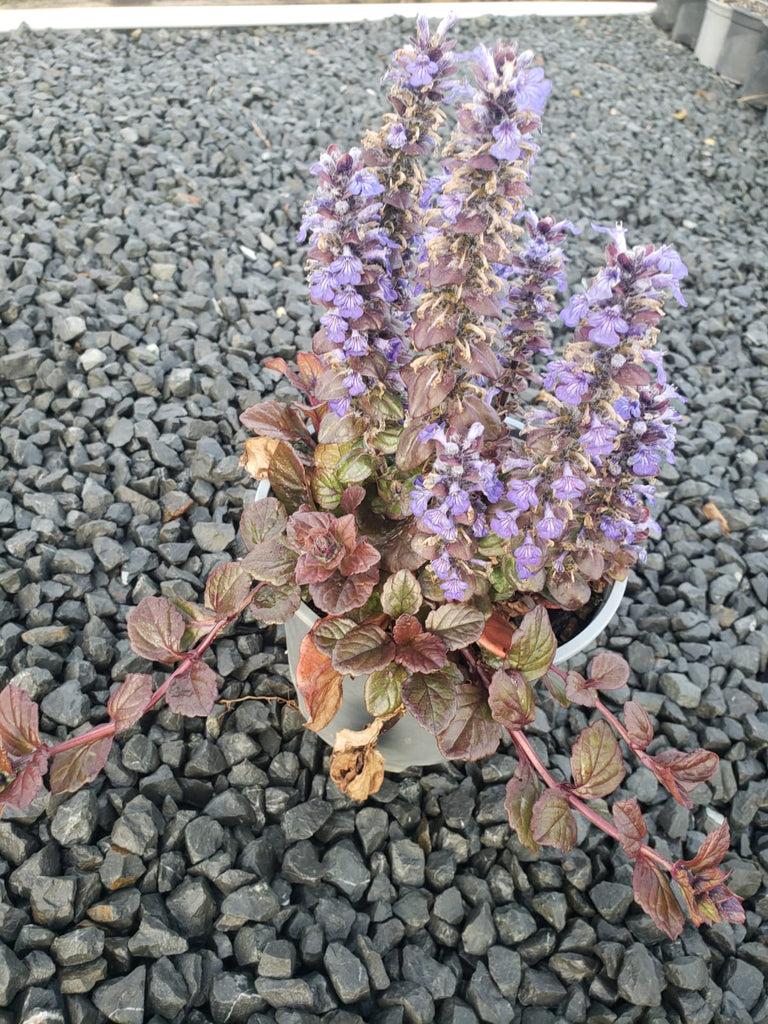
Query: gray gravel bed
[150,194]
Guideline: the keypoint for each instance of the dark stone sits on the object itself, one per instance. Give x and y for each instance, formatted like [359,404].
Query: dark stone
[540,988]
[417,1003]
[122,1000]
[743,980]
[256,902]
[192,908]
[78,946]
[485,997]
[13,975]
[344,869]
[639,980]
[167,993]
[418,966]
[347,974]
[52,901]
[233,999]
[304,820]
[277,960]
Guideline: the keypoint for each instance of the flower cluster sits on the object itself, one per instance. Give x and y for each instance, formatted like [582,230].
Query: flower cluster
[454,497]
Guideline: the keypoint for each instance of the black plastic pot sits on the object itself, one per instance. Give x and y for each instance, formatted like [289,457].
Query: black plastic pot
[688,22]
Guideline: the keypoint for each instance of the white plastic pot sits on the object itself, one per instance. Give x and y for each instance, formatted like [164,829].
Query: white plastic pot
[714,29]
[407,744]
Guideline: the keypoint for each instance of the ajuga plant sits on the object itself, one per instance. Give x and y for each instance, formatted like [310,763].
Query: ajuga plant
[444,488]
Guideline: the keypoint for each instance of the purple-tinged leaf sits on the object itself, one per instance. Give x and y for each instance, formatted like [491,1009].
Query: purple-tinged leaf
[702,882]
[270,561]
[608,671]
[555,683]
[22,789]
[193,692]
[457,625]
[654,894]
[485,305]
[445,271]
[425,653]
[155,629]
[533,645]
[227,588]
[261,520]
[126,705]
[274,605]
[362,650]
[351,497]
[596,761]
[471,732]
[510,699]
[427,388]
[18,721]
[630,822]
[337,430]
[426,335]
[411,452]
[287,478]
[340,594]
[523,790]
[578,690]
[552,821]
[431,696]
[198,621]
[638,724]
[680,773]
[74,768]
[401,594]
[383,690]
[570,594]
[277,420]
[319,684]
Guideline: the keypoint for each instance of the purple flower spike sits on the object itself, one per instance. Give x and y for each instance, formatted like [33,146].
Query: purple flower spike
[354,384]
[507,145]
[349,303]
[599,439]
[607,326]
[421,70]
[576,310]
[335,325]
[442,566]
[504,522]
[454,587]
[568,486]
[323,285]
[347,269]
[365,183]
[550,527]
[528,557]
[522,493]
[397,136]
[437,520]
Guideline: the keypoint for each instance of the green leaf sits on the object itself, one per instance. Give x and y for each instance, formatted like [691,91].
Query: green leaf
[270,561]
[126,705]
[355,468]
[523,791]
[431,696]
[73,768]
[386,441]
[261,520]
[510,699]
[327,489]
[383,690]
[155,629]
[457,625]
[273,604]
[533,645]
[329,630]
[471,732]
[287,478]
[227,588]
[552,821]
[362,650]
[193,691]
[596,761]
[401,594]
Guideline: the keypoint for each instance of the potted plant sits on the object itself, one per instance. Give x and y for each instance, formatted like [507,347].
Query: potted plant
[450,508]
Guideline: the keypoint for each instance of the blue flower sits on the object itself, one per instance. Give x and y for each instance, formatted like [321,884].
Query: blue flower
[504,522]
[349,303]
[568,486]
[549,527]
[421,70]
[365,183]
[528,558]
[323,285]
[454,587]
[599,438]
[397,137]
[347,269]
[522,493]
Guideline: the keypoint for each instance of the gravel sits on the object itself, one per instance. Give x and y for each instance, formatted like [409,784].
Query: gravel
[152,185]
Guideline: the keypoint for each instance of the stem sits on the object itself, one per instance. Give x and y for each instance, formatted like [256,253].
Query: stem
[99,732]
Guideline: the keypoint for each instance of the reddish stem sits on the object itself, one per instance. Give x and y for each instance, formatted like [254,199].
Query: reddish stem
[108,728]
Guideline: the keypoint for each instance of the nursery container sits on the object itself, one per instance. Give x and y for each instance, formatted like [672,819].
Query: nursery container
[713,31]
[688,22]
[407,744]
[746,37]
